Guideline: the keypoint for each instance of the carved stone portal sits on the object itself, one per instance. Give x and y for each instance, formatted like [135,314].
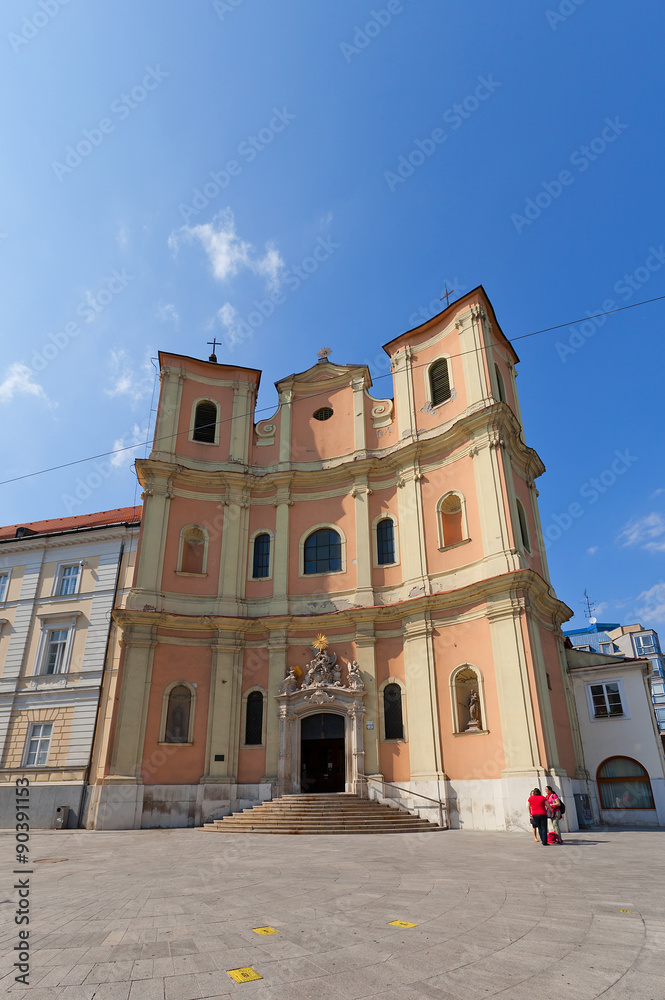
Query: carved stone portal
[321,690]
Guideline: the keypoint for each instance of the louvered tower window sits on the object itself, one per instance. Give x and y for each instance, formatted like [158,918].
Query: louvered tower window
[205,422]
[254,719]
[439,379]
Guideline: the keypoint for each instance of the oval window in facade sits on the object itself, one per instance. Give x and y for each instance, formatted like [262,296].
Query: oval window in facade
[325,413]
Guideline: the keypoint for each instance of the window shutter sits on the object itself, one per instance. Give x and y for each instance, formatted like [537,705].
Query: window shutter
[439,377]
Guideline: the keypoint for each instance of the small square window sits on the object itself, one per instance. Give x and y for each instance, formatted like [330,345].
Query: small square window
[37,744]
[606,700]
[68,580]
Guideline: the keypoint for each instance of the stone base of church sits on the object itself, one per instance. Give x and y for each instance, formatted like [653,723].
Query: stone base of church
[127,806]
[480,804]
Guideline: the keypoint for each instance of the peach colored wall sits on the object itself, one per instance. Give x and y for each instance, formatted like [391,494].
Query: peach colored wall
[320,439]
[393,757]
[421,358]
[469,755]
[458,476]
[304,516]
[378,437]
[265,454]
[251,765]
[564,739]
[523,493]
[184,764]
[384,501]
[182,513]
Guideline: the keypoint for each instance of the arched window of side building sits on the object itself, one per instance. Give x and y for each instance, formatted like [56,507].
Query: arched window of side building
[624,784]
[205,422]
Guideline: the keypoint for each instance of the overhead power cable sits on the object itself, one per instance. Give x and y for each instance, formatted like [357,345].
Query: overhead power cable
[474,350]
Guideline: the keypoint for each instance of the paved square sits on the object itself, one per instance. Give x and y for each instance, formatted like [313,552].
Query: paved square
[166,914]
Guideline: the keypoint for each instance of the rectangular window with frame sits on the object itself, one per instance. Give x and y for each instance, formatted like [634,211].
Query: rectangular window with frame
[54,652]
[37,744]
[606,699]
[4,586]
[68,580]
[645,645]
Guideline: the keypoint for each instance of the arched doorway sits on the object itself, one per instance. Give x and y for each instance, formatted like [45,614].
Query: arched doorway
[322,756]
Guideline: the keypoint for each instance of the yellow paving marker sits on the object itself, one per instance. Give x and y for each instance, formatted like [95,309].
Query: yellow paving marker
[244,975]
[400,923]
[265,930]
[624,911]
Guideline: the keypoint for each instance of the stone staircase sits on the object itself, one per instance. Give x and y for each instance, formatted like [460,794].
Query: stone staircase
[341,812]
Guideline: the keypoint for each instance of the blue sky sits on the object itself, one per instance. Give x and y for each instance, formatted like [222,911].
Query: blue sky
[543,184]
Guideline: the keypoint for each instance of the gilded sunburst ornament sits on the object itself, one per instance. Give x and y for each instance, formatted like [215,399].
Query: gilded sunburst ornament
[320,643]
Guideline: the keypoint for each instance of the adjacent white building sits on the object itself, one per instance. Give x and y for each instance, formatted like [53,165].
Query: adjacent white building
[623,754]
[59,581]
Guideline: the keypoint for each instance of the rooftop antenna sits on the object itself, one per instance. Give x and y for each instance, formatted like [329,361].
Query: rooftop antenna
[213,343]
[589,605]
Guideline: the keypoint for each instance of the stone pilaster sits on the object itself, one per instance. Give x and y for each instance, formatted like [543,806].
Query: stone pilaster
[127,756]
[223,735]
[364,591]
[167,443]
[365,643]
[286,408]
[277,666]
[241,421]
[424,733]
[404,398]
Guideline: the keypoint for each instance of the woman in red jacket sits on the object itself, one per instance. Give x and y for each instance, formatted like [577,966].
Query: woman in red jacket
[538,813]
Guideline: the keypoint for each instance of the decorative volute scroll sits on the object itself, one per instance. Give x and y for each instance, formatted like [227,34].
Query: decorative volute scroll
[382,412]
[265,432]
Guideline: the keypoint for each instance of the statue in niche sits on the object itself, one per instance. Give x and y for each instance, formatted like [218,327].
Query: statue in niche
[354,679]
[473,705]
[290,683]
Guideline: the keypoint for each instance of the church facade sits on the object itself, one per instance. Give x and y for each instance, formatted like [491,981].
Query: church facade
[353,588]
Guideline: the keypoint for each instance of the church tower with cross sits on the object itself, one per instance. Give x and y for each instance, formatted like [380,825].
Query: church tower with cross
[349,594]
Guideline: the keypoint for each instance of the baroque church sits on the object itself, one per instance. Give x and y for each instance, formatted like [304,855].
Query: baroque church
[351,591]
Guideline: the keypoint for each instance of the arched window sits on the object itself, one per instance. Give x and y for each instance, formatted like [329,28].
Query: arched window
[439,381]
[193,550]
[393,721]
[177,715]
[524,528]
[385,541]
[624,784]
[254,719]
[323,552]
[500,387]
[261,560]
[452,520]
[467,698]
[205,421]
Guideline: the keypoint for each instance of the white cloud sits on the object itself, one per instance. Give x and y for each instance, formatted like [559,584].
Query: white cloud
[127,380]
[19,382]
[228,317]
[123,453]
[656,493]
[652,608]
[227,252]
[592,551]
[647,532]
[122,236]
[168,312]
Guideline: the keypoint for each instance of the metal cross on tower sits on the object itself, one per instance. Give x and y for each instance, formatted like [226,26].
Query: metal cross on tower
[213,343]
[446,295]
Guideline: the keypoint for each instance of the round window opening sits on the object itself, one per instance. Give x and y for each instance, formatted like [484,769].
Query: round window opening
[325,413]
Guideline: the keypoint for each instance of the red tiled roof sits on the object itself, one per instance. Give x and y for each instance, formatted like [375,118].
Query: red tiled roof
[122,515]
